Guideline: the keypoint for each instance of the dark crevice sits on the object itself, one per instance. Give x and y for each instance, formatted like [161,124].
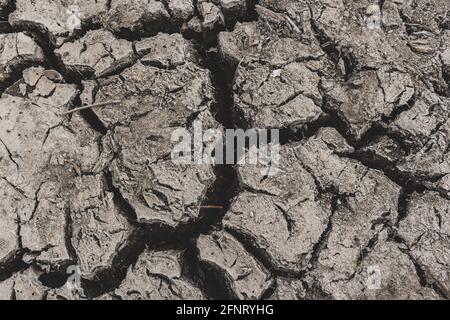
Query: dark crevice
[68,233]
[298,133]
[406,22]
[403,200]
[377,130]
[88,115]
[315,292]
[290,223]
[16,72]
[364,252]
[350,64]
[54,280]
[326,43]
[409,185]
[270,291]
[146,27]
[223,190]
[399,109]
[252,15]
[163,237]
[261,255]
[44,40]
[12,265]
[210,280]
[10,156]
[249,15]
[209,37]
[425,279]
[77,74]
[109,279]
[222,78]
[92,119]
[445,24]
[5,27]
[119,200]
[425,282]
[91,24]
[159,236]
[47,39]
[323,239]
[446,76]
[336,122]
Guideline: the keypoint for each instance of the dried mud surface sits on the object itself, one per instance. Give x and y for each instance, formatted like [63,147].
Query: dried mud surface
[358,89]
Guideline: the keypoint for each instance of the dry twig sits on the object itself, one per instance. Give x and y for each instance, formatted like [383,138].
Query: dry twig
[95,105]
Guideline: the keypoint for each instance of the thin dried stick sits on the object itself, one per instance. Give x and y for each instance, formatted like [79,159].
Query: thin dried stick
[208,207]
[95,105]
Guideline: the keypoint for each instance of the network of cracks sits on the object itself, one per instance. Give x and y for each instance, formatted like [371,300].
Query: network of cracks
[359,91]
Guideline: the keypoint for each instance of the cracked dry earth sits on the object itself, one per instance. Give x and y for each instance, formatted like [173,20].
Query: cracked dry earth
[358,89]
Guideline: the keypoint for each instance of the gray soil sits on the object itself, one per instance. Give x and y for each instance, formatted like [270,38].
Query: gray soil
[360,91]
